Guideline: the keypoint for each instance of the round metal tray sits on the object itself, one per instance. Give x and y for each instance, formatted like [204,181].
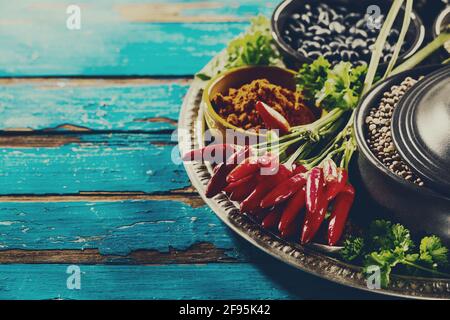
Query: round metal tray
[310,259]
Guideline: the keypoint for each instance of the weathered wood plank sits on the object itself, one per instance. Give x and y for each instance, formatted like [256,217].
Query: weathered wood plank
[211,281]
[90,104]
[119,37]
[192,199]
[117,162]
[197,253]
[114,228]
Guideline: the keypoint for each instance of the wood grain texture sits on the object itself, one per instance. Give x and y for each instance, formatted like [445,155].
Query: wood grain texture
[197,253]
[119,37]
[116,162]
[82,105]
[113,228]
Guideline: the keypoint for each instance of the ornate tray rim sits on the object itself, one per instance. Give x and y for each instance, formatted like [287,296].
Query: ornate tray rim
[300,257]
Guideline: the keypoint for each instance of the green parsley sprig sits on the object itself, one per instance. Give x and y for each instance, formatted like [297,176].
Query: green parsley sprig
[389,245]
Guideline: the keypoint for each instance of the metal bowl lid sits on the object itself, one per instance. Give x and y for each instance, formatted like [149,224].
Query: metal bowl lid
[421,130]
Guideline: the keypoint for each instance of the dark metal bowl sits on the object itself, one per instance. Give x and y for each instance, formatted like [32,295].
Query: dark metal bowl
[422,210]
[294,59]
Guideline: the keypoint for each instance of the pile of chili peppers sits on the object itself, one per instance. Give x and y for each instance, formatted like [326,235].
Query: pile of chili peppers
[290,200]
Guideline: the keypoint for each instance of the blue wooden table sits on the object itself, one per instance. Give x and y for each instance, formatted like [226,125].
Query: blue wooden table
[85,150]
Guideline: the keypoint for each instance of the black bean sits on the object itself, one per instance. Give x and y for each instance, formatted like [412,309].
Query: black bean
[361,33]
[319,39]
[337,27]
[305,18]
[296,16]
[297,27]
[387,58]
[349,40]
[312,44]
[361,23]
[303,52]
[359,43]
[334,45]
[314,54]
[287,39]
[308,35]
[346,55]
[325,48]
[393,35]
[324,19]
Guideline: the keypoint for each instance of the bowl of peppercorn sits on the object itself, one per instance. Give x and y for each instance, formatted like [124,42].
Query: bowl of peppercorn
[391,148]
[339,30]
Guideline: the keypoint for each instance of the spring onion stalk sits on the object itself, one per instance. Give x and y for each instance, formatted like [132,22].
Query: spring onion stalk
[423,53]
[401,38]
[379,45]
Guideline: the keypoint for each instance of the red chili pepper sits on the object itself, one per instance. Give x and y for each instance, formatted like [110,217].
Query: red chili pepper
[244,190]
[272,219]
[283,191]
[246,168]
[233,186]
[266,184]
[314,188]
[292,229]
[293,209]
[329,170]
[218,180]
[268,160]
[339,214]
[272,118]
[240,156]
[299,168]
[313,220]
[214,153]
[334,187]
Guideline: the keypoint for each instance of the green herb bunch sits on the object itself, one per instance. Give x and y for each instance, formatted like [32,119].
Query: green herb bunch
[389,245]
[331,87]
[255,47]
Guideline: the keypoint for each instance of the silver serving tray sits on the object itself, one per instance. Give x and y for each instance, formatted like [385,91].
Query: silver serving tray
[315,259]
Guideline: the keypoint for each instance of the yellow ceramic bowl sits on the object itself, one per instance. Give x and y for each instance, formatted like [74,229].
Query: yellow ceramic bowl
[236,78]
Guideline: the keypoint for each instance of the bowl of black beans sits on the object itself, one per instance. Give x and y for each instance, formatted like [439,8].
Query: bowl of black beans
[384,174]
[339,30]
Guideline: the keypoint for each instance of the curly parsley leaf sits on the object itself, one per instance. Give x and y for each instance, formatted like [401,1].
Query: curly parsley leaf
[256,47]
[379,234]
[432,252]
[389,245]
[353,248]
[331,87]
[311,77]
